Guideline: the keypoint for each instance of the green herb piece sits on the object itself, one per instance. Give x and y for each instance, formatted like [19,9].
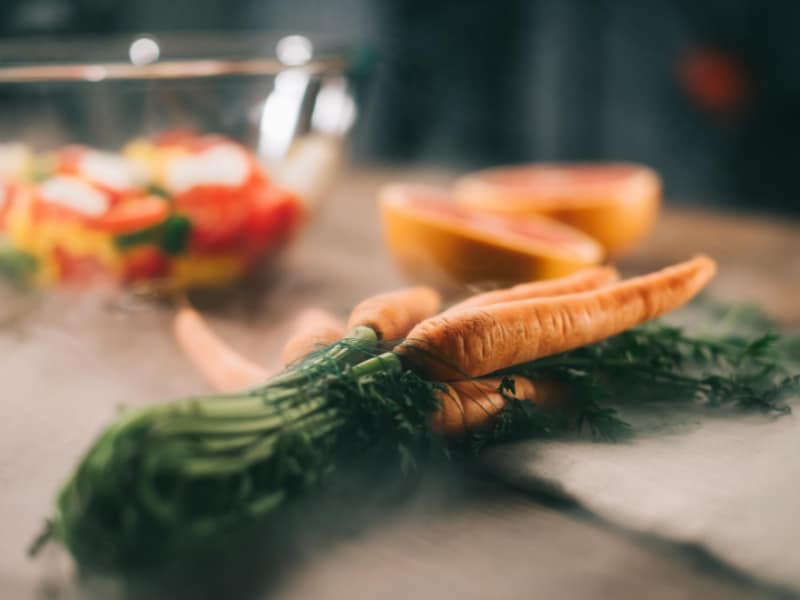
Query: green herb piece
[141,237]
[17,266]
[156,190]
[172,236]
[175,234]
[41,170]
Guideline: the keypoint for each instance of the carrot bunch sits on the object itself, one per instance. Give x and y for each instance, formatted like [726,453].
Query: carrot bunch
[462,345]
[400,378]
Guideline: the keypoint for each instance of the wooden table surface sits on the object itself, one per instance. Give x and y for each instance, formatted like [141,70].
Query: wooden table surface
[454,535]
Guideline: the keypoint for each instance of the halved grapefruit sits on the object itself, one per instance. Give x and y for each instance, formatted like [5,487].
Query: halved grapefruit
[615,203]
[436,240]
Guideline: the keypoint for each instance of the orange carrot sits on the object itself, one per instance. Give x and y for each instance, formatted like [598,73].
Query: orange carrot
[481,340]
[586,279]
[220,366]
[393,314]
[313,328]
[472,404]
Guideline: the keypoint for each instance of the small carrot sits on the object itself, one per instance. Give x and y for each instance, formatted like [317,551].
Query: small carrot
[481,340]
[586,279]
[223,368]
[393,314]
[313,328]
[469,405]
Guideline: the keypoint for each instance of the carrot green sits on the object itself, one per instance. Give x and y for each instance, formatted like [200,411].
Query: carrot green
[191,476]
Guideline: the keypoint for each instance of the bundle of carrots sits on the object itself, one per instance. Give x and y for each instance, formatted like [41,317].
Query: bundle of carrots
[167,481]
[478,336]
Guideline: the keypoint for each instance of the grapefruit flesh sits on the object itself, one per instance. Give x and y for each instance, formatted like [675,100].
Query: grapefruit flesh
[435,240]
[615,203]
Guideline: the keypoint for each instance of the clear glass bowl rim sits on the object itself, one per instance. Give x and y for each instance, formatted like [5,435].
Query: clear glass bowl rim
[183,55]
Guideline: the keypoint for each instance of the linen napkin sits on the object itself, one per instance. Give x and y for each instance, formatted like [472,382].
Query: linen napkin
[726,481]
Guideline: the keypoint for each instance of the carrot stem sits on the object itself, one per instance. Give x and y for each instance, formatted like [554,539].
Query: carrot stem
[388,362]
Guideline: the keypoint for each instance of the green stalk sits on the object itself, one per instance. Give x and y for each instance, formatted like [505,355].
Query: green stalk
[174,479]
[388,363]
[354,347]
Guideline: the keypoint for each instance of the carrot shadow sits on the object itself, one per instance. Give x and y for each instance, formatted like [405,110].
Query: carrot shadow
[359,499]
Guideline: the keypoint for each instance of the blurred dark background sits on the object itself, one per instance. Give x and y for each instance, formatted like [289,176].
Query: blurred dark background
[703,90]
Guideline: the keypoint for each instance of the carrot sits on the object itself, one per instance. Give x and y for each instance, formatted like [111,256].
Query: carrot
[393,314]
[472,404]
[313,328]
[586,279]
[481,340]
[218,364]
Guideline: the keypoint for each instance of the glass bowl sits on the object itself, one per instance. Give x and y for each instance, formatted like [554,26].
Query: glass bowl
[176,161]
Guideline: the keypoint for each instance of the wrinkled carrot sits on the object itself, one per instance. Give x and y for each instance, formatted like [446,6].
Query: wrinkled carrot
[586,279]
[481,340]
[223,368]
[471,404]
[312,329]
[393,314]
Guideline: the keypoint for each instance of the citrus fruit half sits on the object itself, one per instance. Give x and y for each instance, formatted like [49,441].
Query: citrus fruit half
[615,203]
[436,240]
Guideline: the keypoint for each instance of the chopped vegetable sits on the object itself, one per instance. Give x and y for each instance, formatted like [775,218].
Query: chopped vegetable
[198,210]
[145,263]
[17,266]
[134,214]
[170,235]
[177,231]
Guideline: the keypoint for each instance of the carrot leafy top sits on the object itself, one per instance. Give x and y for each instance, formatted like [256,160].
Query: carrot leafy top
[187,477]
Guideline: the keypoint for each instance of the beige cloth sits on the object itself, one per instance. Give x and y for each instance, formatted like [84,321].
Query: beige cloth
[727,483]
